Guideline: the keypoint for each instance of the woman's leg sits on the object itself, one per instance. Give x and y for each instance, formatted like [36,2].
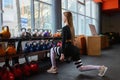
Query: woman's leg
[52,57]
[53,53]
[89,67]
[102,69]
[79,65]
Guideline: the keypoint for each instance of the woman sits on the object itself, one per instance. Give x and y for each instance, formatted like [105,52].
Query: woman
[68,50]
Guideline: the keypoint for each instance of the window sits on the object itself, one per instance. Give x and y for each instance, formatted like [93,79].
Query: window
[42,15]
[82,1]
[94,22]
[72,5]
[64,4]
[24,19]
[94,10]
[88,21]
[45,16]
[8,4]
[37,14]
[88,7]
[81,8]
[75,23]
[9,16]
[25,13]
[81,24]
[46,1]
[84,13]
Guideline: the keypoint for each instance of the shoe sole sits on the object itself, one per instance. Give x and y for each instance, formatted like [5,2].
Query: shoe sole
[52,72]
[103,72]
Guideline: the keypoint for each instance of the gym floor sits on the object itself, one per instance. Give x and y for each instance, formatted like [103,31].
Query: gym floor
[109,57]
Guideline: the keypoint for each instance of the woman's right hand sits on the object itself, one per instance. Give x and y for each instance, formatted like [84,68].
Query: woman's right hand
[62,57]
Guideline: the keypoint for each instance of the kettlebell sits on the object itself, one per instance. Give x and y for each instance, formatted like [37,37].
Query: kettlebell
[44,46]
[40,33]
[11,49]
[2,51]
[28,33]
[46,33]
[5,34]
[50,34]
[17,71]
[25,33]
[37,46]
[35,33]
[27,47]
[31,47]
[7,75]
[34,66]
[41,46]
[6,72]
[34,46]
[26,68]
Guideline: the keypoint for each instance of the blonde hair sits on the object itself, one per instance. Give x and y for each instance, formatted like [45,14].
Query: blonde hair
[69,20]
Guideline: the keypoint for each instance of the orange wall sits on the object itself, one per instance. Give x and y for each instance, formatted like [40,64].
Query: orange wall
[110,4]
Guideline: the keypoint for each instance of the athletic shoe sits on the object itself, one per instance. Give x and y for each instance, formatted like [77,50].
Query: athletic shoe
[102,71]
[52,70]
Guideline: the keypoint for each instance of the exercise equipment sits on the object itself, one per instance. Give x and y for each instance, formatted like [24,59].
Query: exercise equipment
[27,47]
[5,33]
[6,73]
[17,71]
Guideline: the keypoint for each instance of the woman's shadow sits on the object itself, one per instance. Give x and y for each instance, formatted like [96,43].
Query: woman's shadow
[90,77]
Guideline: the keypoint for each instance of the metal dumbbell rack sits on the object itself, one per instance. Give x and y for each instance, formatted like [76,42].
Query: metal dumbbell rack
[21,54]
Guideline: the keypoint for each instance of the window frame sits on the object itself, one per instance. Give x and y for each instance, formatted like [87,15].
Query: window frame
[84,15]
[49,4]
[1,12]
[83,3]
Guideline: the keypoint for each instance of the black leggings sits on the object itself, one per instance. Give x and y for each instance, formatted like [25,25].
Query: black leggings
[69,51]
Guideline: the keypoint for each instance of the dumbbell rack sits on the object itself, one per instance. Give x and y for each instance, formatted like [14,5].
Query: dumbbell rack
[20,55]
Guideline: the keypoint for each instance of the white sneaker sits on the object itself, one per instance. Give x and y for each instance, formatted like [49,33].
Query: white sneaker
[52,70]
[102,71]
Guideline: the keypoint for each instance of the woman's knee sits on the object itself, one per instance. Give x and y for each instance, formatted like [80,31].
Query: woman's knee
[51,49]
[81,68]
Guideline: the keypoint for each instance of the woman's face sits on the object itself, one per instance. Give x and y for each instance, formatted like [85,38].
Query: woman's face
[64,19]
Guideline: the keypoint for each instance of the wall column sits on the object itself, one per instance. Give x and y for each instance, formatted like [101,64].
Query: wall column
[99,18]
[56,15]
